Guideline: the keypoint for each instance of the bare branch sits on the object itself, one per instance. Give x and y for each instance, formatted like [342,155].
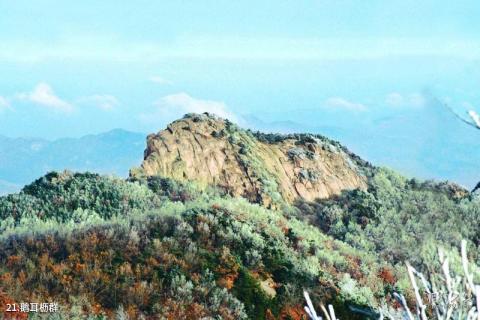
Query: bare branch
[468,275]
[332,312]
[420,306]
[309,308]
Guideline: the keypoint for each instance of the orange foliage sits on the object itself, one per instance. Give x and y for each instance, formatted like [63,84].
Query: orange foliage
[227,281]
[216,206]
[132,311]
[293,312]
[152,262]
[97,308]
[13,261]
[228,269]
[80,267]
[22,277]
[174,310]
[354,267]
[283,226]
[386,274]
[4,301]
[7,280]
[269,315]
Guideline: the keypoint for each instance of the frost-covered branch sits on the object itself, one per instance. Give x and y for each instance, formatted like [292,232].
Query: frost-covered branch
[310,310]
[450,296]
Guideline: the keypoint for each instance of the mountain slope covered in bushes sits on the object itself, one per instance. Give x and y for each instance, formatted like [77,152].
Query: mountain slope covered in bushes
[159,247]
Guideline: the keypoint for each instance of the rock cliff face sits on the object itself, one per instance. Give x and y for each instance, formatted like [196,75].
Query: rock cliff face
[264,168]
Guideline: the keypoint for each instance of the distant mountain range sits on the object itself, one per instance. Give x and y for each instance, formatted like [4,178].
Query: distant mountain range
[24,159]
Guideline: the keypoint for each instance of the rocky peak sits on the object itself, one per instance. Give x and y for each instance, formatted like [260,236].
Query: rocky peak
[264,168]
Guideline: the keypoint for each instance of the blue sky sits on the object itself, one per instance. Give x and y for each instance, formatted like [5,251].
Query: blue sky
[70,68]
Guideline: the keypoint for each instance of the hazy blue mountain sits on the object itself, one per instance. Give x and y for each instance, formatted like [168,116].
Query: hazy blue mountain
[7,187]
[24,159]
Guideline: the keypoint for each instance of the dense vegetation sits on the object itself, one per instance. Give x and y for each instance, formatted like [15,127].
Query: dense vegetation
[101,245]
[401,219]
[156,248]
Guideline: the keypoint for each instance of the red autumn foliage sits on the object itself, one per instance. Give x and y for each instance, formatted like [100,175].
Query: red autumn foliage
[386,274]
[5,300]
[293,313]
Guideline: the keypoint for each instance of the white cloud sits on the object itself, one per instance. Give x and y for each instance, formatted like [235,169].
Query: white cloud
[4,103]
[417,100]
[160,80]
[102,101]
[176,105]
[396,99]
[341,103]
[44,95]
[105,48]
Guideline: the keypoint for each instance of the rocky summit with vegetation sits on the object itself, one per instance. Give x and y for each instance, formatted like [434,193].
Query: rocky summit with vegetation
[263,168]
[224,223]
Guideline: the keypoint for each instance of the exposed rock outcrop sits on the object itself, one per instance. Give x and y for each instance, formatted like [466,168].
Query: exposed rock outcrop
[264,168]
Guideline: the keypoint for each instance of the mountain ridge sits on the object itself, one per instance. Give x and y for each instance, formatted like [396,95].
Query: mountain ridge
[25,159]
[264,168]
[174,243]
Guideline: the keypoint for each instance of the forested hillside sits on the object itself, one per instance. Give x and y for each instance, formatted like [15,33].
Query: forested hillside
[154,247]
